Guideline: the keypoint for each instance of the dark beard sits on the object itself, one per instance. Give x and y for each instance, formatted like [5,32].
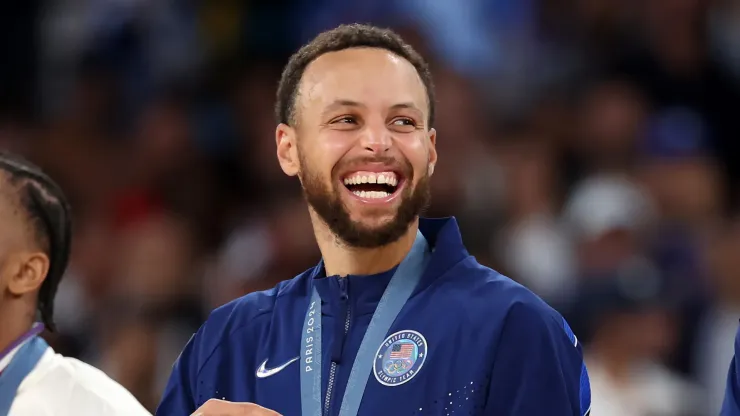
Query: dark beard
[328,205]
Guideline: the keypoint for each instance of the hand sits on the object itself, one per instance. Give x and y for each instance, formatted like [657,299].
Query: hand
[215,407]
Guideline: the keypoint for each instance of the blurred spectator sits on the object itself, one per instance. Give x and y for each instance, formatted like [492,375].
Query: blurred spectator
[678,170]
[258,253]
[632,331]
[613,114]
[724,31]
[609,218]
[534,230]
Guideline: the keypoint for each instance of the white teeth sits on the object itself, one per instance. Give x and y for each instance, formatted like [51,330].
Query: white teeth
[358,178]
[388,179]
[372,194]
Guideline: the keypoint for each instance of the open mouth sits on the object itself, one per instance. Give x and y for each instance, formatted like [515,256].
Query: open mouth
[373,185]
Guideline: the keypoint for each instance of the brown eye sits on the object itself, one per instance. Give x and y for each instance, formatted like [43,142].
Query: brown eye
[404,122]
[345,120]
[403,125]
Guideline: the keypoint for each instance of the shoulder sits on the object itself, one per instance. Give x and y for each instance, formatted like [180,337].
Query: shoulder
[248,313]
[250,309]
[529,337]
[65,383]
[492,294]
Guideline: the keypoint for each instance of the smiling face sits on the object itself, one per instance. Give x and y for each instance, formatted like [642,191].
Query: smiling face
[361,148]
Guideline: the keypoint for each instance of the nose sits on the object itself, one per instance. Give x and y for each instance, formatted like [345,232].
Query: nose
[376,139]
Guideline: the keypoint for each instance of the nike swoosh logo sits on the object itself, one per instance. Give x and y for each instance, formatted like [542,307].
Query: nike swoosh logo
[263,372]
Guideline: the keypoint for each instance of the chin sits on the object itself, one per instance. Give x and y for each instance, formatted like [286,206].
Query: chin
[373,222]
[367,215]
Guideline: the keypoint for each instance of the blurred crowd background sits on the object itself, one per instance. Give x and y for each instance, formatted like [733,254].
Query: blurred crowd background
[588,149]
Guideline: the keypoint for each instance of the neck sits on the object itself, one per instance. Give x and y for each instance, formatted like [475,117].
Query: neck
[342,260]
[15,322]
[12,332]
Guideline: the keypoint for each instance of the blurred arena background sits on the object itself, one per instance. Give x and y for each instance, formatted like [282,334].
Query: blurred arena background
[589,149]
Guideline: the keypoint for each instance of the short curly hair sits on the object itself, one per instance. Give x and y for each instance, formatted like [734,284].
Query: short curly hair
[338,39]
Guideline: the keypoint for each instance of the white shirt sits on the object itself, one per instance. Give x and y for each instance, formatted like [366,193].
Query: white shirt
[61,386]
[652,391]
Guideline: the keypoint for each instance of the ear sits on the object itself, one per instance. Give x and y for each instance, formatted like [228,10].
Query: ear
[432,150]
[285,139]
[27,272]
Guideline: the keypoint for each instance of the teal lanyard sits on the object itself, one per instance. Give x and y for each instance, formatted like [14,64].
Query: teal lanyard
[23,362]
[399,289]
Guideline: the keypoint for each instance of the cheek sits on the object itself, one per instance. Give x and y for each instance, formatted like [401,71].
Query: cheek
[320,156]
[328,150]
[8,269]
[331,152]
[5,250]
[417,153]
[3,272]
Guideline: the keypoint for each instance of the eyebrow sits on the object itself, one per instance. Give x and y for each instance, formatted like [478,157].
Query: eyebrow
[339,104]
[406,106]
[349,103]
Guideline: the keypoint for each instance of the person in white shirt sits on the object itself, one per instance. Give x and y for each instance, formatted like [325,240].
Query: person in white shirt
[34,251]
[630,312]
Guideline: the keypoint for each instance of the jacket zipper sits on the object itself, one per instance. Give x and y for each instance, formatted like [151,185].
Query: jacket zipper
[333,368]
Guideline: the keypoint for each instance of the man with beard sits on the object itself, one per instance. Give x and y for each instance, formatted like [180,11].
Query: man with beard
[397,318]
[34,251]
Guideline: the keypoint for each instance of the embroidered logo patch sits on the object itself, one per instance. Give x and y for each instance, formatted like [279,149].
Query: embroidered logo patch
[400,358]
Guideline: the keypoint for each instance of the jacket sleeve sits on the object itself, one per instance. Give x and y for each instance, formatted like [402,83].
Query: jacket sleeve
[178,396]
[731,404]
[538,367]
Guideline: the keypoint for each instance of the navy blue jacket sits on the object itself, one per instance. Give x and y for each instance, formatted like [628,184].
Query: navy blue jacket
[731,405]
[488,345]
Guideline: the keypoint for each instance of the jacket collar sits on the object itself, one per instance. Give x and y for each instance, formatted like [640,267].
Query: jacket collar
[365,291]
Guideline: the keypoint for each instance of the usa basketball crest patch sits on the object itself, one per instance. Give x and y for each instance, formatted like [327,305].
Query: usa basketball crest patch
[400,357]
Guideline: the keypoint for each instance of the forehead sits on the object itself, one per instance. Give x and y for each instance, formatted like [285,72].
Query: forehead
[370,76]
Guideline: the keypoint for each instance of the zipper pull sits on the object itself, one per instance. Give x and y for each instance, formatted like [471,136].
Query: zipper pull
[343,293]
